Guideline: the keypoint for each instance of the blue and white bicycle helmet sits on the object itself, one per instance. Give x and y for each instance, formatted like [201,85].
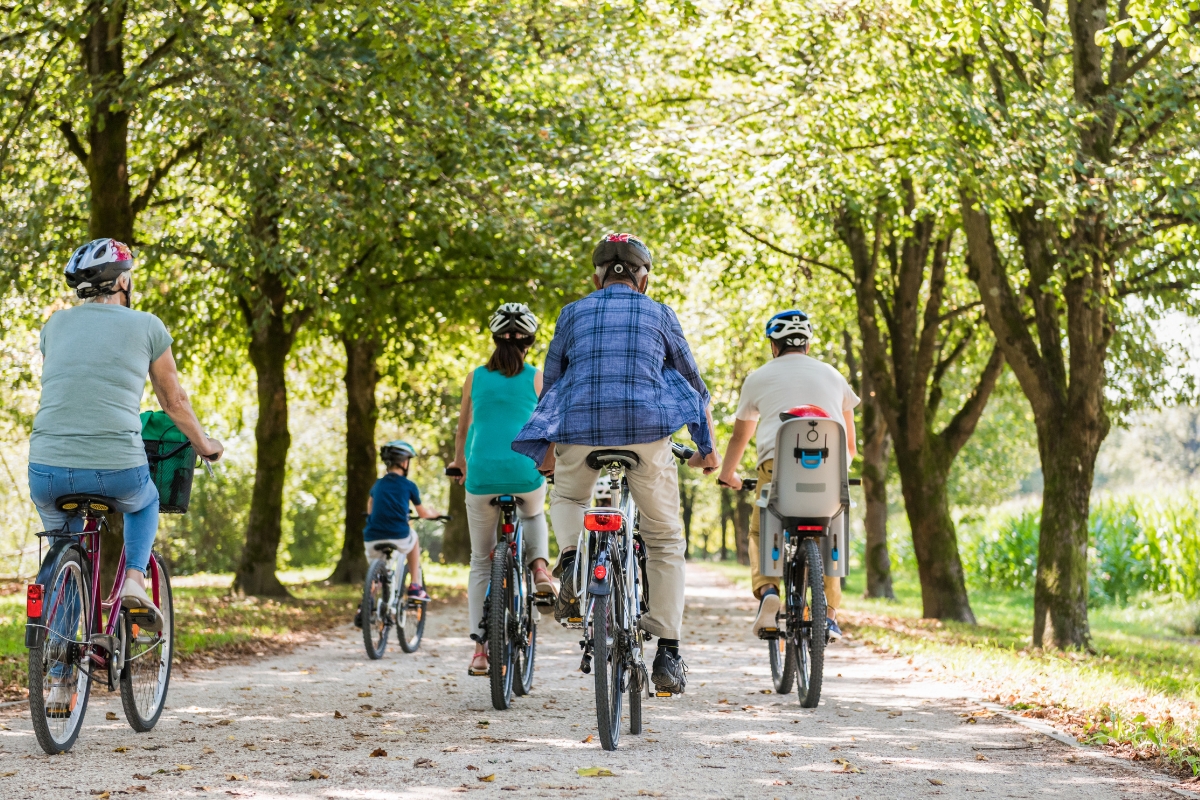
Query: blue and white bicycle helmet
[94,268]
[396,452]
[790,328]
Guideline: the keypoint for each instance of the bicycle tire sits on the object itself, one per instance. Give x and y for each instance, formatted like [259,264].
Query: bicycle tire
[144,690]
[810,641]
[55,732]
[636,688]
[609,668]
[410,627]
[374,618]
[500,646]
[783,664]
[525,656]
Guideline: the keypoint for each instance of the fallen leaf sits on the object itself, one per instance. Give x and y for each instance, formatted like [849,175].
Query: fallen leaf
[588,739]
[317,775]
[338,715]
[183,767]
[121,749]
[450,749]
[366,706]
[244,688]
[648,793]
[936,782]
[846,765]
[207,751]
[7,774]
[765,691]
[101,795]
[110,715]
[359,734]
[595,772]
[422,762]
[140,777]
[782,754]
[510,788]
[912,747]
[141,788]
[232,777]
[364,694]
[202,788]
[472,767]
[980,757]
[378,752]
[537,768]
[486,778]
[224,722]
[250,746]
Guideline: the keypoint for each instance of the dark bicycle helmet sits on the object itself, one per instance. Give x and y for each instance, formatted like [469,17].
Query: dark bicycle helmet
[396,452]
[621,254]
[94,268]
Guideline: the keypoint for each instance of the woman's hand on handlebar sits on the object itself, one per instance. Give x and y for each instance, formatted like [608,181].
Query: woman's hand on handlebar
[729,478]
[709,463]
[213,450]
[457,472]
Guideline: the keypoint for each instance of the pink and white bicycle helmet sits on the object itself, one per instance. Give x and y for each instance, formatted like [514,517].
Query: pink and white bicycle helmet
[94,268]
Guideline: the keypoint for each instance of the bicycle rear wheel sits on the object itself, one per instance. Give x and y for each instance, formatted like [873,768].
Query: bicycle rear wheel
[527,626]
[609,668]
[783,664]
[375,622]
[58,686]
[411,624]
[500,612]
[809,640]
[147,671]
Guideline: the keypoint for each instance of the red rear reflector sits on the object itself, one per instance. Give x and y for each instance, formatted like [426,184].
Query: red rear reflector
[509,527]
[34,594]
[602,522]
[600,572]
[809,528]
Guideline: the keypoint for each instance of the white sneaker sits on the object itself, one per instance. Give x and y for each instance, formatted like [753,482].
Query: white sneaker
[58,704]
[134,597]
[768,607]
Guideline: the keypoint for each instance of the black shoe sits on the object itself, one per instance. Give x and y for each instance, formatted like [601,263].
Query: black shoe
[670,673]
[566,605]
[358,617]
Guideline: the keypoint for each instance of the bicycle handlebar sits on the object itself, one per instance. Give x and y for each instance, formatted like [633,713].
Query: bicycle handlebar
[453,472]
[681,451]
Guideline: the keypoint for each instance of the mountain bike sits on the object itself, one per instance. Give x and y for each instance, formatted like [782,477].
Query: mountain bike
[509,622]
[72,643]
[386,604]
[612,557]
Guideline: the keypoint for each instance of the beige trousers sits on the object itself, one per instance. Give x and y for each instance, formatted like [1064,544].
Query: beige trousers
[654,485]
[833,586]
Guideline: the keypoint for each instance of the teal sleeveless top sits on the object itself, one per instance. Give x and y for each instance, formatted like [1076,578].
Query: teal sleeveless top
[500,408]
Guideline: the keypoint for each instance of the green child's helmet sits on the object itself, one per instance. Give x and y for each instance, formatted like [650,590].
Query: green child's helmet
[396,452]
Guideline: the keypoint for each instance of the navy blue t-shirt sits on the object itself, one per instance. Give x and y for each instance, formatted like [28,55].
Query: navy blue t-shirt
[390,497]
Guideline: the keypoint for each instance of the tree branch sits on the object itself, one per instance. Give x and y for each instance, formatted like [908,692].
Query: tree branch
[160,172]
[962,425]
[73,143]
[840,273]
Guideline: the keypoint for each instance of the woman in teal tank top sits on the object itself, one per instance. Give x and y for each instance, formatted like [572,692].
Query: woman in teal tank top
[497,400]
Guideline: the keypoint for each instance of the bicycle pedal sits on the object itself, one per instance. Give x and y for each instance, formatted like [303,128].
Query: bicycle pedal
[664,694]
[769,633]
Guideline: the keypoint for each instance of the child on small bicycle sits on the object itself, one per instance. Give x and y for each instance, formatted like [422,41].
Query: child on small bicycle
[387,516]
[792,378]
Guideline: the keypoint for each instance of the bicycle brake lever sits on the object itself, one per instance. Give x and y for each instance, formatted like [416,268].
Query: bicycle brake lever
[208,468]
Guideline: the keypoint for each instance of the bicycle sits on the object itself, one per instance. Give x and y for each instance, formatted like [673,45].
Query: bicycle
[791,525]
[612,555]
[388,581]
[71,643]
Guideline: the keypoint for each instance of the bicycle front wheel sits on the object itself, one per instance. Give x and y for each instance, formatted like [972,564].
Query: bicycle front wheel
[609,668]
[58,686]
[412,612]
[147,671]
[375,622]
[810,639]
[500,614]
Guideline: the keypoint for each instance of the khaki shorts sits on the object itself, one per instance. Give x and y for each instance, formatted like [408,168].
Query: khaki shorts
[403,546]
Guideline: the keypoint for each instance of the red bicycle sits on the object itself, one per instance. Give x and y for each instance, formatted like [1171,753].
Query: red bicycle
[74,638]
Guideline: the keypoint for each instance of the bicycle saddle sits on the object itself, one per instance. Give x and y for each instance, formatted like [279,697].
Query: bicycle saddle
[599,459]
[386,549]
[84,503]
[505,499]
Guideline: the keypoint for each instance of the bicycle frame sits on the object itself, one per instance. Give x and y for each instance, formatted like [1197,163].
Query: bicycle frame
[512,535]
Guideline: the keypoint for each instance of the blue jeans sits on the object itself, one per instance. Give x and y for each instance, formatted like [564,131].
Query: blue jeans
[132,491]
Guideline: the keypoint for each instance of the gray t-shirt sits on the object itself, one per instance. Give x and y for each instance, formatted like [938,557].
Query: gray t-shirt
[97,357]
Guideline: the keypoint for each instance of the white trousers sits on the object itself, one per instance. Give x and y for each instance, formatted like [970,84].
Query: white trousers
[654,484]
[482,518]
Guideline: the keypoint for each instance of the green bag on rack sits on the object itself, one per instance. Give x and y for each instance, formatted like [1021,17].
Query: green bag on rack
[172,461]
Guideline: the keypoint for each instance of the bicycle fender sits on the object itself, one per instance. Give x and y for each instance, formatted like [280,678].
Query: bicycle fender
[35,628]
[601,586]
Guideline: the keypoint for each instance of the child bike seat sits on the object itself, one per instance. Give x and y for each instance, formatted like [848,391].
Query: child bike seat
[599,459]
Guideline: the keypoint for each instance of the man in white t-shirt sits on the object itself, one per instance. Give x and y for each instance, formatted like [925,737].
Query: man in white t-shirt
[791,378]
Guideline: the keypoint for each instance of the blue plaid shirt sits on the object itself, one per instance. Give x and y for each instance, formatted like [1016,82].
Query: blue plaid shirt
[618,372]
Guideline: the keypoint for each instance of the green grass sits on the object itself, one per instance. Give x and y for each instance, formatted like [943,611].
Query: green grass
[1139,692]
[212,624]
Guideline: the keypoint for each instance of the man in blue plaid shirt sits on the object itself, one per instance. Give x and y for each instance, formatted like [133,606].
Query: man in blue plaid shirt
[620,374]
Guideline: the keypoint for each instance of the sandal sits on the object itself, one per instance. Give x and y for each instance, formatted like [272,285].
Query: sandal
[543,582]
[479,665]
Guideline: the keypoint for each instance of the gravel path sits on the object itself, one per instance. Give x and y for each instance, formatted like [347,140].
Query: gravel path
[324,722]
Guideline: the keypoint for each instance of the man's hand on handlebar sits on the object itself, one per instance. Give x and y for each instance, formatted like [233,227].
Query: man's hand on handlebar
[709,463]
[212,451]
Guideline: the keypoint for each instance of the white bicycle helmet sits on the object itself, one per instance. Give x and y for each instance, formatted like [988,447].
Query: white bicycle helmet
[790,328]
[513,318]
[94,268]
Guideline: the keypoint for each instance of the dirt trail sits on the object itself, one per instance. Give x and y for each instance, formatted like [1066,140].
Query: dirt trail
[267,729]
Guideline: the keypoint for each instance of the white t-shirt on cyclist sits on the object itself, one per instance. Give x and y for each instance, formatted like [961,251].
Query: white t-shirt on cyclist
[790,380]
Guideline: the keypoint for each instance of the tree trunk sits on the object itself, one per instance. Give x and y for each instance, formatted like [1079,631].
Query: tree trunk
[943,584]
[726,516]
[270,343]
[741,526]
[456,538]
[874,482]
[1068,452]
[362,377]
